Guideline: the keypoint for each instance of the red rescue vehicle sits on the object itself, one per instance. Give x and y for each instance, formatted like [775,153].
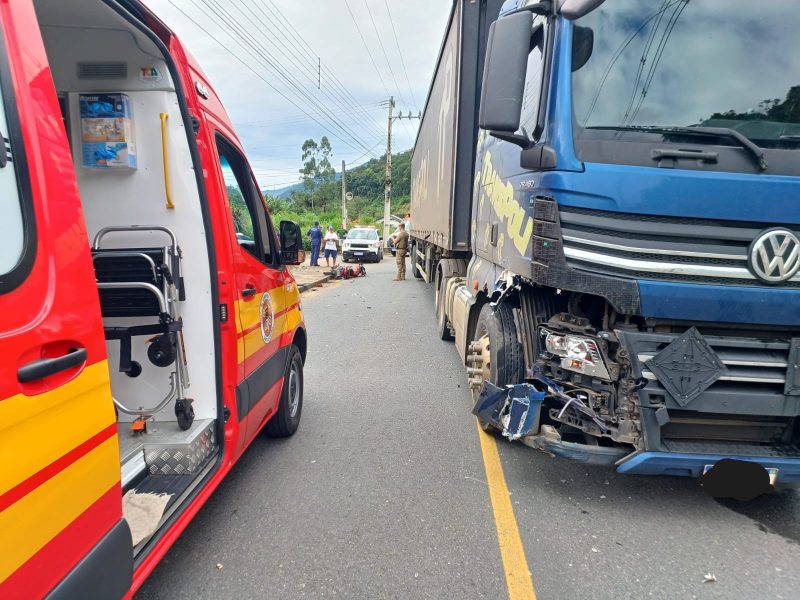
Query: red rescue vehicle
[149,328]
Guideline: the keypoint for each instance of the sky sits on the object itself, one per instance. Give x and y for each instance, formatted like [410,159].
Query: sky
[289,70]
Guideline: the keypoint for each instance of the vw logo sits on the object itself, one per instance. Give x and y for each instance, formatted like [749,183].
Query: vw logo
[775,255]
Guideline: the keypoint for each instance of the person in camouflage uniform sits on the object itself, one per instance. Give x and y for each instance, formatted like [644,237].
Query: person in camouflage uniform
[400,240]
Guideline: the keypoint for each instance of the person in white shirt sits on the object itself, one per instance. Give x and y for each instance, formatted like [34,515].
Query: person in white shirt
[331,240]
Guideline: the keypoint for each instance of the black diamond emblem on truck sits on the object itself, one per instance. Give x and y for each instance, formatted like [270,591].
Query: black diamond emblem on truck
[687,367]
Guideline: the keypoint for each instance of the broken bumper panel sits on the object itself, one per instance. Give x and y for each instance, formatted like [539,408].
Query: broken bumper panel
[583,453]
[694,465]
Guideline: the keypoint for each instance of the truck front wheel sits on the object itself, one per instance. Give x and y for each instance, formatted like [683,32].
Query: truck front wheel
[495,353]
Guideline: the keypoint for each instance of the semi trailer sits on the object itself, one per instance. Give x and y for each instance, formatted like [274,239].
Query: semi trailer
[606,201]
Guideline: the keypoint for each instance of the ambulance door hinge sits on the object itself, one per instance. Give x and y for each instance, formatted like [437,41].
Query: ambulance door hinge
[195,123]
[226,414]
[223,313]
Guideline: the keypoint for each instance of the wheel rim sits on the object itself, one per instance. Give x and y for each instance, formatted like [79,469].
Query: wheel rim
[294,392]
[479,361]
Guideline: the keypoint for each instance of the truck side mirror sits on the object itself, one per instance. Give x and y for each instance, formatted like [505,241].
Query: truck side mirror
[504,73]
[575,9]
[292,252]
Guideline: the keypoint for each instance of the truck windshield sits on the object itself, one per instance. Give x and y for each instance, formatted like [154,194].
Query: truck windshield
[729,64]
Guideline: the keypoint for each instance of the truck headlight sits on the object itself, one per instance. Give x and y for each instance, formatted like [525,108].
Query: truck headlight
[578,353]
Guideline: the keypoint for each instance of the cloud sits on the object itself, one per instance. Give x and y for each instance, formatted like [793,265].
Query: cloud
[273,128]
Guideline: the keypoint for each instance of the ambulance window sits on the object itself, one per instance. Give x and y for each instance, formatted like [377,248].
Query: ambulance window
[250,221]
[17,240]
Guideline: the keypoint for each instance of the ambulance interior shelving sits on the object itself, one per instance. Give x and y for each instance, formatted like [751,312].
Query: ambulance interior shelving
[133,161]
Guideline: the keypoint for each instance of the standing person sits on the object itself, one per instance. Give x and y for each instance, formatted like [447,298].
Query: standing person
[331,240]
[315,233]
[400,240]
[407,221]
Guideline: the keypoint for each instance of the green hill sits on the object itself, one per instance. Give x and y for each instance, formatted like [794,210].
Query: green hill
[322,202]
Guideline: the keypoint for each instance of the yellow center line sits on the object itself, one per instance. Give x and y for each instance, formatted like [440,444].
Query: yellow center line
[515,565]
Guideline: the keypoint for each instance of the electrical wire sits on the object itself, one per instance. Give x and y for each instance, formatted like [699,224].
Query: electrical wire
[302,90]
[659,53]
[294,56]
[643,60]
[256,73]
[400,52]
[246,39]
[385,55]
[366,47]
[328,74]
[615,57]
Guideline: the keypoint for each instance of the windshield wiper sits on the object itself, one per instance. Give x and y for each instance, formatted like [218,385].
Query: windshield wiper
[752,148]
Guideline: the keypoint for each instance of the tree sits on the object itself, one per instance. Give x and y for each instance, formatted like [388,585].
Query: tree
[317,170]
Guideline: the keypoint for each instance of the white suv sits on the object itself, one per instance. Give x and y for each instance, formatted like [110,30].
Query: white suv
[362,243]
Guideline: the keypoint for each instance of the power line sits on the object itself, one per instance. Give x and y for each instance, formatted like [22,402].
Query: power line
[296,59]
[355,160]
[256,73]
[366,47]
[400,52]
[297,119]
[659,53]
[385,55]
[270,59]
[248,40]
[643,60]
[618,53]
[339,88]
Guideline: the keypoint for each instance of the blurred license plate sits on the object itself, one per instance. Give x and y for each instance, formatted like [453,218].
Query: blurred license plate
[358,253]
[773,473]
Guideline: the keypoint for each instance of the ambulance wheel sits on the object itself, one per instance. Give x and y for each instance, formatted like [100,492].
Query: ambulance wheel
[498,350]
[286,421]
[135,370]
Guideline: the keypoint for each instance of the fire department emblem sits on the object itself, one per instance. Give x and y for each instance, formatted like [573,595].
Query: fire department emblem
[267,317]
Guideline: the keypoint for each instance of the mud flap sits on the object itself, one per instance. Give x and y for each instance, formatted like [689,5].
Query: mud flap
[514,410]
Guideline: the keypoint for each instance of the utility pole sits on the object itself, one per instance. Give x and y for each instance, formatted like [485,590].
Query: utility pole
[387,190]
[344,195]
[387,182]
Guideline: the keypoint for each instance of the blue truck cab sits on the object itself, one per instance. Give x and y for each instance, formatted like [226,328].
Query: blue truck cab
[635,231]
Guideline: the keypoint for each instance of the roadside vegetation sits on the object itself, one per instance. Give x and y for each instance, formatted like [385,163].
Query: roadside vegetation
[318,195]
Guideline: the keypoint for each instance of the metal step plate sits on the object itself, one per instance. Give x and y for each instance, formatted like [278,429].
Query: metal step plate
[170,451]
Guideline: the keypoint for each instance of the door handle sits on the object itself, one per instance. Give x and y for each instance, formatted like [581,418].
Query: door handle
[39,369]
[249,292]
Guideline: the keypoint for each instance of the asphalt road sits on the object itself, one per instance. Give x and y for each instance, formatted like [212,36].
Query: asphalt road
[382,493]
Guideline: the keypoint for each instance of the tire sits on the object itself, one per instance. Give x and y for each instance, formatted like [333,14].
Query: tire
[441,318]
[414,270]
[505,352]
[286,421]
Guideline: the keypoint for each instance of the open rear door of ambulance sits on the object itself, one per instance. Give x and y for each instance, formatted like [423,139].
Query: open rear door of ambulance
[61,527]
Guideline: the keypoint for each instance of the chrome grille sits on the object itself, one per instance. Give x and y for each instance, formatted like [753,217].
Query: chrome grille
[662,248]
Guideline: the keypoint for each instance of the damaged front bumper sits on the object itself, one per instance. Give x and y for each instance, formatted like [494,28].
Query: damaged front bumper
[515,411]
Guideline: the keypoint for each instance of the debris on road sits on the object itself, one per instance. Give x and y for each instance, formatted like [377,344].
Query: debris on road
[709,578]
[220,566]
